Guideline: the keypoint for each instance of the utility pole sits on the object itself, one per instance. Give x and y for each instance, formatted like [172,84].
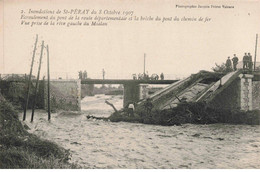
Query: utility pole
[255,50]
[29,80]
[37,81]
[144,64]
[48,68]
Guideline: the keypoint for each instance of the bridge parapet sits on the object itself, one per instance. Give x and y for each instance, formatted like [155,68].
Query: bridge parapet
[125,81]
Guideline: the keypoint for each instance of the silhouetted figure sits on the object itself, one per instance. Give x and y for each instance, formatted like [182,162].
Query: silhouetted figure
[103,73]
[146,76]
[139,76]
[250,62]
[162,76]
[235,62]
[245,61]
[131,109]
[228,64]
[80,74]
[85,74]
[134,77]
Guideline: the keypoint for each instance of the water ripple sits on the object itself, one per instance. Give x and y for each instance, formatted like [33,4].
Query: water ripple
[102,144]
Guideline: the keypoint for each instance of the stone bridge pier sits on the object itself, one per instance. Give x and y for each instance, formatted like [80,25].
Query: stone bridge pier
[246,91]
[133,92]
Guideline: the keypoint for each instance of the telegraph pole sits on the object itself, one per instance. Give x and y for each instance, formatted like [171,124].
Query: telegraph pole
[29,80]
[255,50]
[37,81]
[48,68]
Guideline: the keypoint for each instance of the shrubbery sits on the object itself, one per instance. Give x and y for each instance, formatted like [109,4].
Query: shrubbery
[20,149]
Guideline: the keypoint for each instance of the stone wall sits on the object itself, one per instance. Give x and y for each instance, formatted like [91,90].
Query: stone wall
[229,98]
[65,94]
[256,95]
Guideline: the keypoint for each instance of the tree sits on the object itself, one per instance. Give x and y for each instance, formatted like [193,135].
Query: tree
[220,68]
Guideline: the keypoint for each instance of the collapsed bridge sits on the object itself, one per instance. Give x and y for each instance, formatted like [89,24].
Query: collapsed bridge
[235,90]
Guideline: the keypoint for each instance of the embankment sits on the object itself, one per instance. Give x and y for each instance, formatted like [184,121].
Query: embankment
[21,149]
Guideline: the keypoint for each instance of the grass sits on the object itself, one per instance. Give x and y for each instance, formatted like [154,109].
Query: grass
[20,149]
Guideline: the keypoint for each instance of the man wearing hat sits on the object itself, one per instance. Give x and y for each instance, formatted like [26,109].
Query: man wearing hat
[235,62]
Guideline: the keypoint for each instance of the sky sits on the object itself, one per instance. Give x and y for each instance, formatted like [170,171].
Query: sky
[177,49]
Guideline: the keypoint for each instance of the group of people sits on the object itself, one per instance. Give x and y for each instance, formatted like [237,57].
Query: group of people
[83,75]
[146,76]
[247,62]
[229,63]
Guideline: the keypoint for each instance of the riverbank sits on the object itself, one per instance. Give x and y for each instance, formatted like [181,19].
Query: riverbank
[23,150]
[193,113]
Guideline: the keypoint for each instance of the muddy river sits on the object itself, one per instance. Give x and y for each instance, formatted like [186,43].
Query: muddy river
[101,144]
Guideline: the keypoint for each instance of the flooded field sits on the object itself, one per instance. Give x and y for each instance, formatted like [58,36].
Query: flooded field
[100,144]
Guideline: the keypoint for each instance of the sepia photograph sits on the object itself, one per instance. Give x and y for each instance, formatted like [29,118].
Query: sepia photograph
[126,84]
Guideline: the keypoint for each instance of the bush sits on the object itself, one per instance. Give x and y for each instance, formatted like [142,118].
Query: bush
[221,68]
[20,149]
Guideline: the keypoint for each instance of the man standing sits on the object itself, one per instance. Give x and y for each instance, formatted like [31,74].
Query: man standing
[228,64]
[235,62]
[80,74]
[85,74]
[250,62]
[134,76]
[103,73]
[162,76]
[131,109]
[245,61]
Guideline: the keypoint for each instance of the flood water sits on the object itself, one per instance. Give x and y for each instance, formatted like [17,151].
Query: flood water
[104,144]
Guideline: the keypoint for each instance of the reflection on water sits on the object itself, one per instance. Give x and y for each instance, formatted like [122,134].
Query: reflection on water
[100,144]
